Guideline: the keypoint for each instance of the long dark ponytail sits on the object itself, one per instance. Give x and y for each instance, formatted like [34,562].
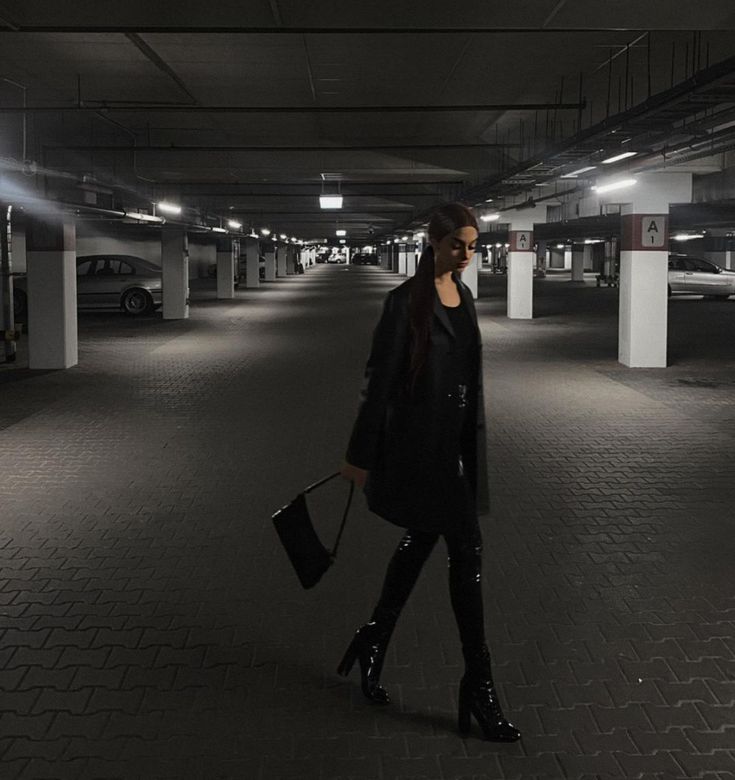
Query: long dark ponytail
[445,220]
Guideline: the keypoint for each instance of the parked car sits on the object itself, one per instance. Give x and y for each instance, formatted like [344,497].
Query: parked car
[365,258]
[695,275]
[107,282]
[336,258]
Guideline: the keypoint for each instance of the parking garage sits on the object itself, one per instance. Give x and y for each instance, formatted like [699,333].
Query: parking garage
[187,313]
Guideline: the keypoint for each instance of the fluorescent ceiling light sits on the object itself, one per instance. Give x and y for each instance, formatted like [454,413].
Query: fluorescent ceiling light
[594,241]
[343,241]
[234,224]
[143,217]
[498,246]
[265,232]
[614,185]
[330,201]
[560,246]
[574,174]
[283,237]
[340,233]
[687,236]
[490,217]
[218,230]
[488,200]
[418,235]
[621,156]
[404,238]
[169,208]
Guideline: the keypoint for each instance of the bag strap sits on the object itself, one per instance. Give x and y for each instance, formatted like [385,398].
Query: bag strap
[319,483]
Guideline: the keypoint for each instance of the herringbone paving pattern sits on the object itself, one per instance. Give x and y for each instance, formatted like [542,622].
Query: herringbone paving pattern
[150,626]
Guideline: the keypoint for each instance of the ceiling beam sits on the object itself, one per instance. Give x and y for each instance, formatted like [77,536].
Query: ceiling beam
[272,30]
[103,105]
[241,148]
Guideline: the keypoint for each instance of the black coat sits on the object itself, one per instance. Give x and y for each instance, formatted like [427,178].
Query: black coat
[403,439]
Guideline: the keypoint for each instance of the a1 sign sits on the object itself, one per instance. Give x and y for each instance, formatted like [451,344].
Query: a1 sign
[521,240]
[653,231]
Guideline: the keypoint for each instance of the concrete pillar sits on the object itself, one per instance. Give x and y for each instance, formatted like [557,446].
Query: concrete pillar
[384,257]
[567,258]
[270,263]
[281,256]
[541,261]
[402,259]
[52,292]
[470,274]
[521,260]
[175,273]
[225,268]
[578,262]
[410,261]
[717,247]
[252,261]
[642,327]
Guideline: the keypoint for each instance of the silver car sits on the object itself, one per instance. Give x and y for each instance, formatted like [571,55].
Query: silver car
[703,277]
[108,282]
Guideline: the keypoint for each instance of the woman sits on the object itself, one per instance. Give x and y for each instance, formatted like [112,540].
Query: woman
[417,449]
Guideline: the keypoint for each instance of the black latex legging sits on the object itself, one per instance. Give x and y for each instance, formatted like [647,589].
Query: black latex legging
[464,549]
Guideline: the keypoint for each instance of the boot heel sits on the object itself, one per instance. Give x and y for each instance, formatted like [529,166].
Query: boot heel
[346,664]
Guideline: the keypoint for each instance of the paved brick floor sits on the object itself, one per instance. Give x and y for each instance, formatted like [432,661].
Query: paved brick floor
[150,626]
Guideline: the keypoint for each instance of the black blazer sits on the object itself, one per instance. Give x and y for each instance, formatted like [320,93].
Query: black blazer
[402,439]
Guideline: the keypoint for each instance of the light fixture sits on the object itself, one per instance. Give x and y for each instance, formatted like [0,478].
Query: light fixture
[560,246]
[617,157]
[594,241]
[490,217]
[330,201]
[498,246]
[234,224]
[343,241]
[143,217]
[614,185]
[574,174]
[264,231]
[218,230]
[283,237]
[687,236]
[340,232]
[488,200]
[169,208]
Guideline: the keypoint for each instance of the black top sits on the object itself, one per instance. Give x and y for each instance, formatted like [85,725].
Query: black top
[465,344]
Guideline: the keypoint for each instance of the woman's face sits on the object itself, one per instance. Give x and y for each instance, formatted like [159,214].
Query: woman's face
[454,252]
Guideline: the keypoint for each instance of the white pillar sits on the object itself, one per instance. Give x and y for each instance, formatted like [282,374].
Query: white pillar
[410,261]
[402,259]
[225,268]
[52,293]
[521,260]
[578,263]
[175,273]
[567,258]
[470,274]
[642,326]
[270,264]
[281,250]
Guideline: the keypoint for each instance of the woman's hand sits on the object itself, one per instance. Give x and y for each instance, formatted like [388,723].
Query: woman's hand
[354,474]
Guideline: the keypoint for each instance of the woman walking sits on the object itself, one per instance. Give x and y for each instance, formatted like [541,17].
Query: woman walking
[418,451]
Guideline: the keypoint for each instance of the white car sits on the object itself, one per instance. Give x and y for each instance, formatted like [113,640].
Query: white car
[702,277]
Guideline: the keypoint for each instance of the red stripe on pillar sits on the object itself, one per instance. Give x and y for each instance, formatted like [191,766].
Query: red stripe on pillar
[644,233]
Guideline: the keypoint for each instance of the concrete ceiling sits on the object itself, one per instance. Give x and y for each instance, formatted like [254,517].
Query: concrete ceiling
[250,108]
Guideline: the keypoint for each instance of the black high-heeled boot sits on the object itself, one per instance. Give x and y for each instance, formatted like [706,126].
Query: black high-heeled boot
[370,642]
[368,647]
[478,698]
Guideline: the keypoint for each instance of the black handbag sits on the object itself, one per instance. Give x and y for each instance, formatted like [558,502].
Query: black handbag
[309,557]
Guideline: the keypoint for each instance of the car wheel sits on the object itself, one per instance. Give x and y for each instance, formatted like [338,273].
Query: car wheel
[136,302]
[20,304]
